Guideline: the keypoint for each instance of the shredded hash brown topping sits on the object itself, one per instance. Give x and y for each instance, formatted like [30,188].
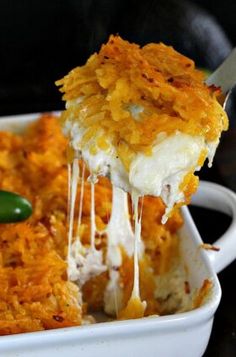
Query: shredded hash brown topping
[156,78]
[35,293]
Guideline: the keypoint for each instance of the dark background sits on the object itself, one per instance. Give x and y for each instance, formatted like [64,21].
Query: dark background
[40,41]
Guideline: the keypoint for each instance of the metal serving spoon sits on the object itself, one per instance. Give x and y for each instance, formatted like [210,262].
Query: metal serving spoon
[225,76]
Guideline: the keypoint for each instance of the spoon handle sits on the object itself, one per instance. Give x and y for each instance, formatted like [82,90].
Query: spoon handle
[225,75]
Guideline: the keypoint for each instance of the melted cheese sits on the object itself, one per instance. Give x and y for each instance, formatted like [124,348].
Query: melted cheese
[137,239]
[119,229]
[92,218]
[69,192]
[135,307]
[160,174]
[83,263]
[81,201]
[73,177]
[120,235]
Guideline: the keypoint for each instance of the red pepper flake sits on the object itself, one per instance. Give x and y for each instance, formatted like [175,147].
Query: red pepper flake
[218,92]
[58,318]
[214,88]
[187,287]
[149,79]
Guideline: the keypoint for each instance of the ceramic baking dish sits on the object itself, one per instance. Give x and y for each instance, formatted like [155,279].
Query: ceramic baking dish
[180,335]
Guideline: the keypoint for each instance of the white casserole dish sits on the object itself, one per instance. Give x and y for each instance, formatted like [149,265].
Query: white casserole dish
[180,335]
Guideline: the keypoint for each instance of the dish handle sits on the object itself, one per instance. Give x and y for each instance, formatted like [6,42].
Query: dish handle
[216,197]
